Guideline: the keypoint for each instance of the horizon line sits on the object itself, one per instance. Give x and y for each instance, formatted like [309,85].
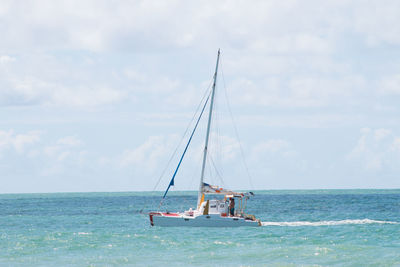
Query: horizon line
[160,191]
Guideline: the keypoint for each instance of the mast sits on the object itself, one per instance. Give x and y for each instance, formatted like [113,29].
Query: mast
[208,134]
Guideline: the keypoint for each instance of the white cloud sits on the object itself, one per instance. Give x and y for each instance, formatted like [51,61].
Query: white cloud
[381,134]
[155,151]
[390,84]
[65,148]
[378,21]
[396,145]
[292,64]
[69,141]
[35,91]
[260,38]
[4,59]
[18,142]
[299,120]
[148,83]
[135,75]
[223,147]
[94,26]
[83,96]
[361,146]
[273,147]
[300,91]
[376,150]
[148,155]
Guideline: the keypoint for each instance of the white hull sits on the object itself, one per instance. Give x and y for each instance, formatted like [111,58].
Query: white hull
[212,220]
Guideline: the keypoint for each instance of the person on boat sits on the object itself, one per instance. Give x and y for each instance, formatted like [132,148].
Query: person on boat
[232,207]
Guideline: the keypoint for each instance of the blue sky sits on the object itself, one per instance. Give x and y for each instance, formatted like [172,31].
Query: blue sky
[95,96]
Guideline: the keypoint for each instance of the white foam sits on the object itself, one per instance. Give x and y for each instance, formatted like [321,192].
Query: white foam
[83,233]
[322,223]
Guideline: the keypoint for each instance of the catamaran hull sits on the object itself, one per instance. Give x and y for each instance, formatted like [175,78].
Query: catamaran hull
[200,221]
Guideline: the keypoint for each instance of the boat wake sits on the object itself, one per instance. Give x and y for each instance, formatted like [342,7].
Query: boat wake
[323,223]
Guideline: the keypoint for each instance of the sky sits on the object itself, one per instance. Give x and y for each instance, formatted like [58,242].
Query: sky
[96,95]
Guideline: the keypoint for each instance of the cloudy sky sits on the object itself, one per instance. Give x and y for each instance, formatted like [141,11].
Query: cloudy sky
[96,95]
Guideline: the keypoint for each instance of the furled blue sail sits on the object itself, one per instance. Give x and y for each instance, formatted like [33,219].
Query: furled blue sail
[172,182]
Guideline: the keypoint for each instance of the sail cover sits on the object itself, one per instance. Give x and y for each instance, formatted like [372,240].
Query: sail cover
[213,189]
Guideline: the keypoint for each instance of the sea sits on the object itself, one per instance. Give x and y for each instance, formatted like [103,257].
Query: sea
[299,228]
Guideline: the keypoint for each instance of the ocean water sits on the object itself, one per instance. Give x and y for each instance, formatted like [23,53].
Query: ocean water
[300,228]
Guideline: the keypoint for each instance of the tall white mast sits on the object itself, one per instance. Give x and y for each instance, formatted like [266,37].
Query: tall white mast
[208,134]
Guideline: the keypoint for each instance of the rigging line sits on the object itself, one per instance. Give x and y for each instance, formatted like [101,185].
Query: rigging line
[210,173]
[180,142]
[216,171]
[215,137]
[237,133]
[171,183]
[218,139]
[195,172]
[183,136]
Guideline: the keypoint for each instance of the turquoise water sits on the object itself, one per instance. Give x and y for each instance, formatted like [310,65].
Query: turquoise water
[308,228]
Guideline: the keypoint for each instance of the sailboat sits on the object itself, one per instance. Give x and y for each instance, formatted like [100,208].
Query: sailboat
[220,211]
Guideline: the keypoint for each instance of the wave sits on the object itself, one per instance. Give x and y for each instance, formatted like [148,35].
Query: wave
[323,223]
